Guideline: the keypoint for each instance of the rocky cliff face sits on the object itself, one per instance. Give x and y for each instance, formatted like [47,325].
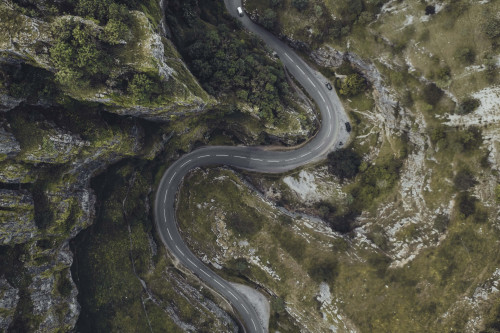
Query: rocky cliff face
[50,148]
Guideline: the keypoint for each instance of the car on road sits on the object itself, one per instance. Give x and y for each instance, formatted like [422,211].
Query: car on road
[240,11]
[347,126]
[329,86]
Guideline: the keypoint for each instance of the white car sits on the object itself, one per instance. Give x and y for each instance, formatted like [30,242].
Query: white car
[240,11]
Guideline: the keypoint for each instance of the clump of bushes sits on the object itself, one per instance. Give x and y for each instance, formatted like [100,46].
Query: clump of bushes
[344,163]
[432,94]
[468,105]
[464,180]
[353,85]
[324,269]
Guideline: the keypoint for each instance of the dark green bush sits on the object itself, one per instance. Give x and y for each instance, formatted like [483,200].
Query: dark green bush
[324,269]
[432,94]
[353,85]
[468,105]
[465,55]
[464,180]
[300,4]
[344,163]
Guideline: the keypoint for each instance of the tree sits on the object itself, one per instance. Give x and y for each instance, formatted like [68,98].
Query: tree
[115,31]
[464,180]
[468,105]
[141,87]
[353,85]
[268,19]
[344,163]
[432,94]
[300,4]
[465,55]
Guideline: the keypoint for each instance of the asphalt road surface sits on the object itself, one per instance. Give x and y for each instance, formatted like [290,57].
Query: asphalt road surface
[250,158]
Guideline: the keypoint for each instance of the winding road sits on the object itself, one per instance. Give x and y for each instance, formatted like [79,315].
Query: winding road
[249,158]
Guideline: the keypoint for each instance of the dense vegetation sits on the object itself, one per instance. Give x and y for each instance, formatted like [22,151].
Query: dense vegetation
[226,60]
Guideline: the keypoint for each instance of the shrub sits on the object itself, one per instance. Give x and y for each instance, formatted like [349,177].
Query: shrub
[464,180]
[466,204]
[492,27]
[268,19]
[441,222]
[344,163]
[141,88]
[468,105]
[300,4]
[324,269]
[470,138]
[353,85]
[432,94]
[430,10]
[244,224]
[465,55]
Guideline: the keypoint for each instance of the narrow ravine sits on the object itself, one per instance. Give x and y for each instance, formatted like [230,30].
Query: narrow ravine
[331,133]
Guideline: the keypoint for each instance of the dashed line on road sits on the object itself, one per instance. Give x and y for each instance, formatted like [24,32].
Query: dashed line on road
[179,250]
[300,69]
[169,235]
[309,79]
[229,291]
[205,273]
[203,156]
[255,327]
[185,163]
[243,305]
[256,159]
[289,57]
[222,155]
[272,161]
[291,159]
[192,262]
[243,157]
[321,95]
[219,284]
[305,154]
[165,199]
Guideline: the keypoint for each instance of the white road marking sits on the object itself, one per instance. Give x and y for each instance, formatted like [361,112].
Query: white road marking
[222,155]
[185,163]
[317,147]
[172,177]
[219,284]
[169,235]
[300,69]
[256,159]
[322,98]
[305,154]
[205,273]
[240,156]
[289,57]
[165,199]
[329,131]
[192,262]
[255,327]
[311,82]
[203,156]
[291,159]
[272,161]
[243,305]
[233,294]
[179,250]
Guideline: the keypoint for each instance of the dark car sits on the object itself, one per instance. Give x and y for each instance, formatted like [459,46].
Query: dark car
[329,86]
[347,127]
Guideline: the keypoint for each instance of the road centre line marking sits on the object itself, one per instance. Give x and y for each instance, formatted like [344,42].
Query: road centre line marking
[291,159]
[219,284]
[289,57]
[300,69]
[311,82]
[272,161]
[192,262]
[233,294]
[317,147]
[179,250]
[243,305]
[205,273]
[185,163]
[254,324]
[256,159]
[169,235]
[222,155]
[305,154]
[322,98]
[203,156]
[165,199]
[240,156]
